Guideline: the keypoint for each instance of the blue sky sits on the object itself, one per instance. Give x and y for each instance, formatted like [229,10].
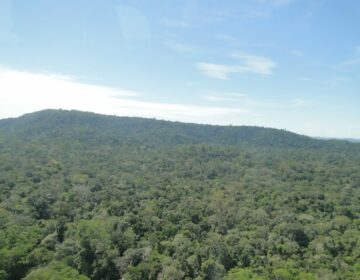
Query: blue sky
[291,64]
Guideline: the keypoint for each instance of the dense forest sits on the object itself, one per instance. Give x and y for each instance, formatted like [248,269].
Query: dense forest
[86,196]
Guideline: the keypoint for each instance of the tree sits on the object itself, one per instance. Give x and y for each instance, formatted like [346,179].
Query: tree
[55,271]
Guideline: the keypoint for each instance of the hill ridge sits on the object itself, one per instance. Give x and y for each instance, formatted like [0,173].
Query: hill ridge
[85,126]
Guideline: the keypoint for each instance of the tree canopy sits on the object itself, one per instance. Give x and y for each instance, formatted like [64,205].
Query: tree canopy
[84,196]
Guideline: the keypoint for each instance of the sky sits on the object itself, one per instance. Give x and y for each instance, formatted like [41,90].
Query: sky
[288,64]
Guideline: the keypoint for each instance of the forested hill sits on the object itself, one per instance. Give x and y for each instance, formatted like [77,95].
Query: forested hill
[85,196]
[91,128]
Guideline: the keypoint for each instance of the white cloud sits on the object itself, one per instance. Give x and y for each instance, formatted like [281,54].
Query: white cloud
[22,92]
[250,64]
[217,71]
[255,64]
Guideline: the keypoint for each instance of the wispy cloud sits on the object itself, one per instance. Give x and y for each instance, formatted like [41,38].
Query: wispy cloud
[248,64]
[256,64]
[305,79]
[217,71]
[22,92]
[357,48]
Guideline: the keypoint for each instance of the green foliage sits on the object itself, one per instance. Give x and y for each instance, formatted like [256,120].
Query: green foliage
[55,271]
[94,250]
[84,196]
[16,244]
[212,270]
[242,274]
